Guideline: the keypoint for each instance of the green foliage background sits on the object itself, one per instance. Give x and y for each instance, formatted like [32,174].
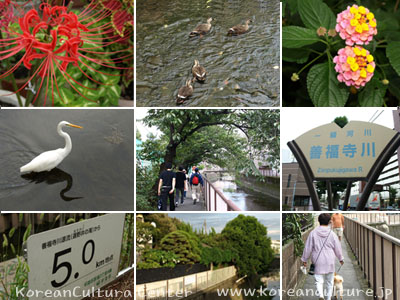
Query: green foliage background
[243,242]
[229,138]
[309,55]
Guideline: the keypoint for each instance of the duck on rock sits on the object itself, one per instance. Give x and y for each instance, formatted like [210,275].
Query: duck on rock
[199,72]
[202,29]
[185,92]
[240,29]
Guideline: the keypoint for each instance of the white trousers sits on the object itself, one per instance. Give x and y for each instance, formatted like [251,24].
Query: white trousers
[319,283]
[196,192]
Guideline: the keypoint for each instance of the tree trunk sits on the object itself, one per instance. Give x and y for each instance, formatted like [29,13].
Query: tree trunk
[168,157]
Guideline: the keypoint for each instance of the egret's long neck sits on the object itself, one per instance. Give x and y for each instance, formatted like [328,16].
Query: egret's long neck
[68,144]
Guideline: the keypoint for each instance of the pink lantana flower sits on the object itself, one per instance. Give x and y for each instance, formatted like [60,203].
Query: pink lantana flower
[355,66]
[356,25]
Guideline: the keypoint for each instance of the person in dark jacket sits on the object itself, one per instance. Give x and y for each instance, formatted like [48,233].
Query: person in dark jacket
[180,186]
[195,181]
[166,187]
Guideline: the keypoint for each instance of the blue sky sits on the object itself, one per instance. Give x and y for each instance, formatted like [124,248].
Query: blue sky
[218,220]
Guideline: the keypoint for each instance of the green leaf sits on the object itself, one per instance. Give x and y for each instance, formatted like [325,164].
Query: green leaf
[372,94]
[27,233]
[393,53]
[293,7]
[5,241]
[63,96]
[296,37]
[113,94]
[394,87]
[11,233]
[324,88]
[316,14]
[92,94]
[102,91]
[299,56]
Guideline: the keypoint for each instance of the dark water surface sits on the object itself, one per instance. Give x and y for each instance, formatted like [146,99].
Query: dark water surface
[242,70]
[97,175]
[245,199]
[230,290]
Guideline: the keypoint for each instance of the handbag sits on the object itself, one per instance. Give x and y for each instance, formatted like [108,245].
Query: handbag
[312,267]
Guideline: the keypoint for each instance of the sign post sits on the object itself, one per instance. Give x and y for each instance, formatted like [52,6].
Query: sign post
[359,151]
[69,261]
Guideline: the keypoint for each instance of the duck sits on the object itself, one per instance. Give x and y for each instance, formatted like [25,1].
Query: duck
[199,72]
[240,29]
[185,92]
[202,29]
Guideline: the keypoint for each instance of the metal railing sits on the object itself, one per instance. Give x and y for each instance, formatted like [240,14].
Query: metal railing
[182,287]
[378,254]
[215,200]
[269,172]
[371,218]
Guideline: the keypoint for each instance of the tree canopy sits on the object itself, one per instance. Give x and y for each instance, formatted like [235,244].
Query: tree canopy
[243,242]
[183,245]
[247,237]
[214,134]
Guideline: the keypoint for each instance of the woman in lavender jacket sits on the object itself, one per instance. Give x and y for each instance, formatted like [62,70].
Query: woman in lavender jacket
[323,241]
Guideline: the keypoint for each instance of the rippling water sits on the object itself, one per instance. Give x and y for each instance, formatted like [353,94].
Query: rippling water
[97,175]
[245,199]
[217,292]
[242,70]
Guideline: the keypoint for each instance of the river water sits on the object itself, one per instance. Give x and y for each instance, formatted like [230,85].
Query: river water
[232,290]
[97,175]
[245,199]
[242,70]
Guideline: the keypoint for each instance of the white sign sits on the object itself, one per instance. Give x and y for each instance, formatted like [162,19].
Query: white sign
[67,262]
[349,152]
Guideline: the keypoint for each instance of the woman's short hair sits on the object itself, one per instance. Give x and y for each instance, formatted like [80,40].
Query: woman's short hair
[324,219]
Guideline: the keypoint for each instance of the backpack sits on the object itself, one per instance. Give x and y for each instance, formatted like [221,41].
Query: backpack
[195,179]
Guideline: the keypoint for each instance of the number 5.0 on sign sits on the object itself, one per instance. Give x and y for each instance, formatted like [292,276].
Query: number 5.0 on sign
[68,261]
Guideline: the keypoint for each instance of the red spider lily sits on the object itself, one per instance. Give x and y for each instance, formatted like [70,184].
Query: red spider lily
[121,18]
[53,38]
[7,16]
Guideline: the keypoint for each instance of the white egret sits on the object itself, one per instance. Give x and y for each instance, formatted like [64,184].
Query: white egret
[50,159]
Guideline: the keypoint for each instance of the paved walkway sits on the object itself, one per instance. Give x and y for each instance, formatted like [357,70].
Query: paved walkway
[188,204]
[352,279]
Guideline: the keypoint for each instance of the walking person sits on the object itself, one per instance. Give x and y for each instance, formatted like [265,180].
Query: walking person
[195,181]
[323,246]
[187,183]
[180,186]
[338,224]
[166,187]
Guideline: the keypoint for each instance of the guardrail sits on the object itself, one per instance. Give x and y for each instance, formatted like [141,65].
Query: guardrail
[369,218]
[378,254]
[215,200]
[182,287]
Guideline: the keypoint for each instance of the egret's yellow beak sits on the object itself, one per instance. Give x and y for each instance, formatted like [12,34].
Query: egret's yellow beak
[76,126]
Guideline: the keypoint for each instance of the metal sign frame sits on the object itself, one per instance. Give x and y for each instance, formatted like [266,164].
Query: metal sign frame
[371,178]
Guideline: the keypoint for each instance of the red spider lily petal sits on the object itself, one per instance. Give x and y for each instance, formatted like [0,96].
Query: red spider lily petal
[31,18]
[31,56]
[120,19]
[68,32]
[112,5]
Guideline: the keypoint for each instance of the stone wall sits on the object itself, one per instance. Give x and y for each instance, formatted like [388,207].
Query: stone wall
[270,187]
[394,230]
[292,275]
